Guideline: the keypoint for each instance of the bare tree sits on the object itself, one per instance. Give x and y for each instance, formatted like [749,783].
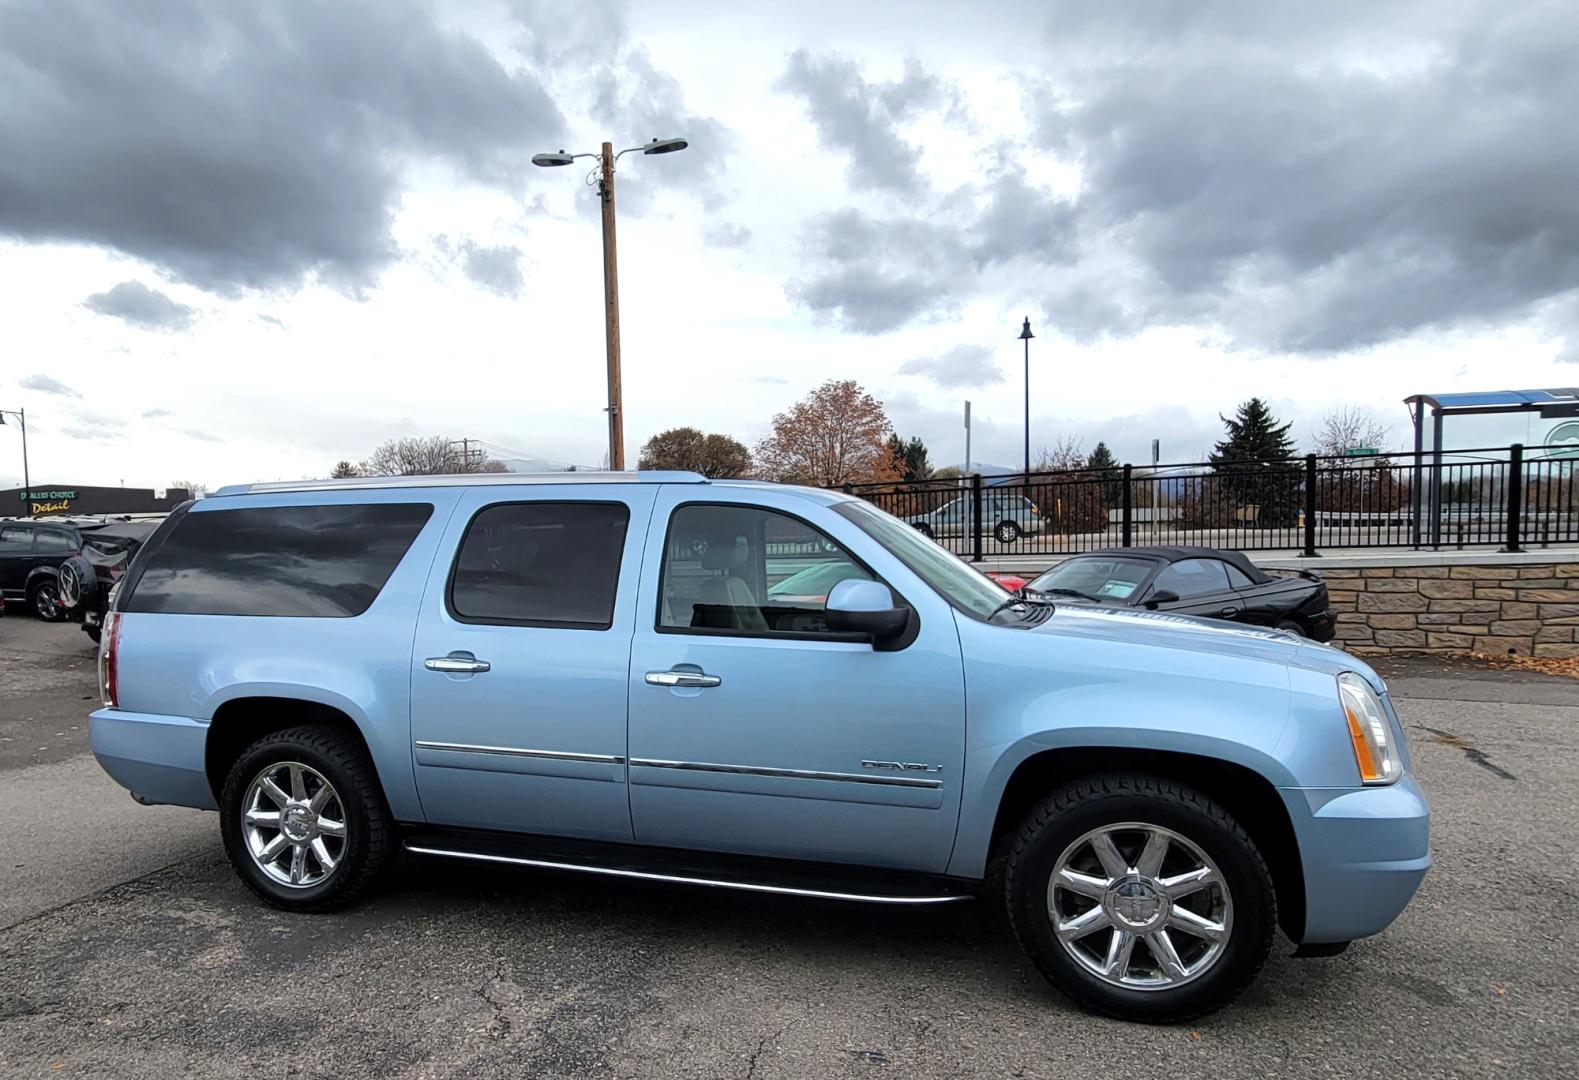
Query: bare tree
[426,456]
[343,470]
[1346,428]
[1064,456]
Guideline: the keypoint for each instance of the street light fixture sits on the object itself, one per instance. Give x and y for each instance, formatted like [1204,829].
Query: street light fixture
[611,292]
[1026,336]
[27,480]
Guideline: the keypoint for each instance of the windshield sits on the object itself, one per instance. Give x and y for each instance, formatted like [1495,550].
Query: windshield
[970,592]
[1100,578]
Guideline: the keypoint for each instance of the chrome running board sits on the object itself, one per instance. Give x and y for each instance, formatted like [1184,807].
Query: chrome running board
[684,879]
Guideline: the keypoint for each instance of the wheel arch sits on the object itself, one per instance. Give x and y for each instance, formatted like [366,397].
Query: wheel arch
[1248,795]
[242,721]
[38,574]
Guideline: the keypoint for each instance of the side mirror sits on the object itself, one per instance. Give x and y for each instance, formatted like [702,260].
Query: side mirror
[855,606]
[1161,596]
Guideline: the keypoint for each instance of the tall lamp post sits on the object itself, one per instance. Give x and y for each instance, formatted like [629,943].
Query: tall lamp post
[611,290]
[1026,336]
[27,481]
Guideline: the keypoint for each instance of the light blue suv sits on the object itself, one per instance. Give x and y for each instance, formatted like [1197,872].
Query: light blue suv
[595,673]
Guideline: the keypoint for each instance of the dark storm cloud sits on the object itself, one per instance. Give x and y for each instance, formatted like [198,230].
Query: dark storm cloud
[135,303]
[585,48]
[861,118]
[1317,198]
[248,145]
[1309,178]
[872,273]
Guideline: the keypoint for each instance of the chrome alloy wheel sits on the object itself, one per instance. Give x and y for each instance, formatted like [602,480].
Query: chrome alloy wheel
[294,824]
[1139,906]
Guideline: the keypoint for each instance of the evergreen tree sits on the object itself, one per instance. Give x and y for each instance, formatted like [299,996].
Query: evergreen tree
[1106,468]
[1255,464]
[910,457]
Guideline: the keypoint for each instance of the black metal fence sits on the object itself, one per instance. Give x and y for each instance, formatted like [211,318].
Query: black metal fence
[1511,497]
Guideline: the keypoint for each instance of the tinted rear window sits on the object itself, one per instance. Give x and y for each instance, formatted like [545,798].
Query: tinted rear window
[541,564]
[323,561]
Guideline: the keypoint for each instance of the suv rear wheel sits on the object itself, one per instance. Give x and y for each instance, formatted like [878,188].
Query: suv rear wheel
[1140,898]
[303,819]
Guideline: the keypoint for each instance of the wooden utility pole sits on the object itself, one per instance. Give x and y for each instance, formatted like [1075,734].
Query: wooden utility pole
[611,311]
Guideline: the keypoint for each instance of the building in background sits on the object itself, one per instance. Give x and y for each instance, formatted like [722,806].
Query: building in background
[42,500]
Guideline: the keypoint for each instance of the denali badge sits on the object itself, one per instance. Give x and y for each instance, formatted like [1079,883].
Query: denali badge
[901,766]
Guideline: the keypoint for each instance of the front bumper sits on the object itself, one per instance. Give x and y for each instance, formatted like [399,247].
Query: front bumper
[157,758]
[1364,853]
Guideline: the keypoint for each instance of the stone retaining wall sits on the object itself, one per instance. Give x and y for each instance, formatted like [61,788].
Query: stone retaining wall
[1525,609]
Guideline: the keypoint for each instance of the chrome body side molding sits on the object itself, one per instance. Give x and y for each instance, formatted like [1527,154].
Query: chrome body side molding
[516,751]
[791,774]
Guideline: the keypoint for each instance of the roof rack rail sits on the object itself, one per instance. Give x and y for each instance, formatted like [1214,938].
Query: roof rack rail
[364,483]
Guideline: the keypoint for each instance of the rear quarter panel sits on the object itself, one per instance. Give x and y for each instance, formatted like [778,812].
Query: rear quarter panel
[190,665]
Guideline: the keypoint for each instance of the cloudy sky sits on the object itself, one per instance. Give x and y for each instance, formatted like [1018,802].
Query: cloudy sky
[244,242]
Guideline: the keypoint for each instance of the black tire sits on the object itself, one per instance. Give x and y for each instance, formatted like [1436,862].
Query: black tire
[42,599]
[1007,532]
[1292,627]
[370,842]
[1069,814]
[93,632]
[924,529]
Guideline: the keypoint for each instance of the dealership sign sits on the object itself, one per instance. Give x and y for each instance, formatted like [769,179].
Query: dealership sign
[47,501]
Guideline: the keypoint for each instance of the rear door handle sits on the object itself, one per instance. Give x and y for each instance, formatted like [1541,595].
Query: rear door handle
[681,678]
[456,665]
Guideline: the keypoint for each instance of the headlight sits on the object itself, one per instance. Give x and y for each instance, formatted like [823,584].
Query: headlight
[1375,750]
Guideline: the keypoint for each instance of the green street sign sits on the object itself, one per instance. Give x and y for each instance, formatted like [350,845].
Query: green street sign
[1361,451]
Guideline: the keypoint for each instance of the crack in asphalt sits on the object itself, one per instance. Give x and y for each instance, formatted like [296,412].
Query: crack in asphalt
[499,1027]
[762,1044]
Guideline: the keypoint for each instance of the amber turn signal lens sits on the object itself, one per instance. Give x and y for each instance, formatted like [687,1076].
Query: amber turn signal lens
[1362,749]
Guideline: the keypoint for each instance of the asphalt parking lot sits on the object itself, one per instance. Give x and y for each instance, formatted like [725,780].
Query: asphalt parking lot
[128,949]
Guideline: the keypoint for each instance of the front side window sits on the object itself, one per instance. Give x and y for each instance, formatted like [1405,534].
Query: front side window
[315,561]
[974,594]
[1193,577]
[749,570]
[541,564]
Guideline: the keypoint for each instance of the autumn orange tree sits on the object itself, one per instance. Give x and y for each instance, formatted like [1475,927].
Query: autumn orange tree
[837,434]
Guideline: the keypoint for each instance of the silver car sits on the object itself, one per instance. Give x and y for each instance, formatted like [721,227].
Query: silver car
[1008,517]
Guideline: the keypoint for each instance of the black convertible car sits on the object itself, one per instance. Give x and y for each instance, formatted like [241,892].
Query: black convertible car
[1193,581]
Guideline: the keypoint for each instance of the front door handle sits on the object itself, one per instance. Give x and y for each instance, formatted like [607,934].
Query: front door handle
[456,665]
[681,678]
[1229,612]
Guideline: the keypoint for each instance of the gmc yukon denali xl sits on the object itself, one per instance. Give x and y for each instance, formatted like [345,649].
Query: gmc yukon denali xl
[593,673]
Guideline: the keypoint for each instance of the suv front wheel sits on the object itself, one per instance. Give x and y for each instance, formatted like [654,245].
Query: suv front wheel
[1140,898]
[303,819]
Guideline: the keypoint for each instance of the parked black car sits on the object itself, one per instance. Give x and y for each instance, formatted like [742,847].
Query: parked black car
[86,579]
[30,556]
[32,552]
[1193,581]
